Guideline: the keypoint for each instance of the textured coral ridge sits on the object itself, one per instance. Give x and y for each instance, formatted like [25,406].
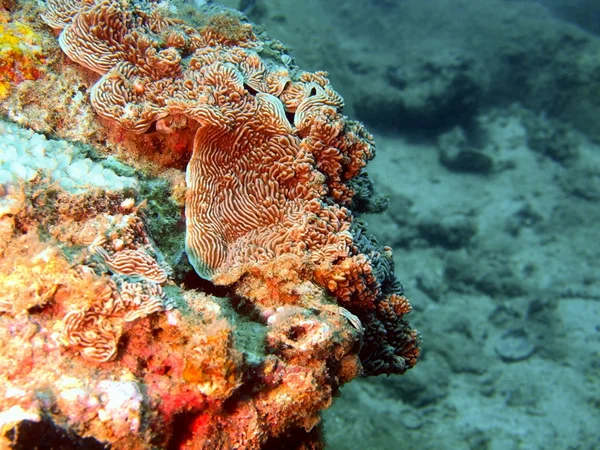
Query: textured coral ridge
[259,187]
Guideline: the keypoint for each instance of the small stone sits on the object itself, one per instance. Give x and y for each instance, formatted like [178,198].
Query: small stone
[411,421]
[127,205]
[118,244]
[514,345]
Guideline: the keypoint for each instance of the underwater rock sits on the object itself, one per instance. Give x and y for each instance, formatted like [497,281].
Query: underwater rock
[461,350]
[498,277]
[426,390]
[524,217]
[514,345]
[456,154]
[442,91]
[552,138]
[582,180]
[451,232]
[431,284]
[411,420]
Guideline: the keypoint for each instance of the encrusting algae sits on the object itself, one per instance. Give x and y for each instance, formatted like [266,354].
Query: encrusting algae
[108,338]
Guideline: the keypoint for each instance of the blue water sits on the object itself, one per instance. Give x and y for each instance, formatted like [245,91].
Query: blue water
[485,115]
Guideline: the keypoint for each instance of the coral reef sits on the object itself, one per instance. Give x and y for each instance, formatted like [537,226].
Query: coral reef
[259,188]
[100,342]
[304,299]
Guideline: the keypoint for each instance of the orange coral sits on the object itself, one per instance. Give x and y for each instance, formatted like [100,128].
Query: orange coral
[141,299]
[98,309]
[94,308]
[256,188]
[89,326]
[211,364]
[225,28]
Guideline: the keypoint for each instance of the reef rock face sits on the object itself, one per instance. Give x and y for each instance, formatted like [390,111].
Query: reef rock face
[313,302]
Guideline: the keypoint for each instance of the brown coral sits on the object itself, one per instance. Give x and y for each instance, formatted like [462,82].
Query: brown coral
[94,309]
[133,263]
[90,328]
[259,187]
[98,308]
[258,177]
[86,322]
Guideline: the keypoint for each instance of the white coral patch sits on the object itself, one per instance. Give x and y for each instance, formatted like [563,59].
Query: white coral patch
[122,402]
[15,415]
[25,154]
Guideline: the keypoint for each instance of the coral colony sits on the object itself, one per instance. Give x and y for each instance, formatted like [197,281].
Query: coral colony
[104,341]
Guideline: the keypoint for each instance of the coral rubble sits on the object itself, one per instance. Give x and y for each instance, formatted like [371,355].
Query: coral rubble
[103,342]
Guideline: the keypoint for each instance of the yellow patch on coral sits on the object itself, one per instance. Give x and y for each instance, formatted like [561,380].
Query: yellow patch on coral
[20,54]
[4,89]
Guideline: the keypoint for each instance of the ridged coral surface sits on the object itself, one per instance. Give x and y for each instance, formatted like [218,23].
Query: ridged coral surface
[89,318]
[312,300]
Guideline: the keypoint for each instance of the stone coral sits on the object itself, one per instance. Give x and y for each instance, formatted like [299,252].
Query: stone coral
[99,336]
[212,91]
[125,285]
